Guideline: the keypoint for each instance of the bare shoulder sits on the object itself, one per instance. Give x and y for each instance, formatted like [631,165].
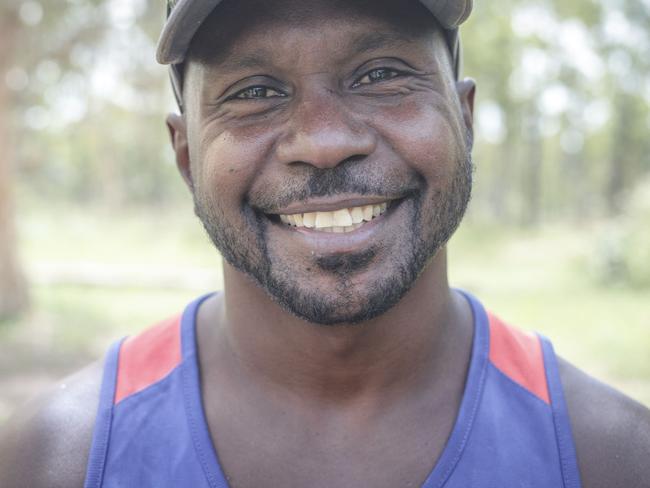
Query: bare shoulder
[46,443]
[611,431]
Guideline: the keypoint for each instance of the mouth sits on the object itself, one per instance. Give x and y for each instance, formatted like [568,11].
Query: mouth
[342,220]
[328,226]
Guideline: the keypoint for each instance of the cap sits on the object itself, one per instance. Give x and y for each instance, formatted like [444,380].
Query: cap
[184,17]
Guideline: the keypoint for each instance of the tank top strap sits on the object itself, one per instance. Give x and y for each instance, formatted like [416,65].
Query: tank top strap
[131,366]
[193,399]
[104,419]
[564,435]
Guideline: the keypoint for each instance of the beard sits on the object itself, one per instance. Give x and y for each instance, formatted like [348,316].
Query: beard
[433,218]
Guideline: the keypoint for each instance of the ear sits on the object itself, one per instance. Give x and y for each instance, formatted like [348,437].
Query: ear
[466,90]
[178,135]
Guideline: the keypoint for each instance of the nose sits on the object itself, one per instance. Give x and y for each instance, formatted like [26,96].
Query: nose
[323,132]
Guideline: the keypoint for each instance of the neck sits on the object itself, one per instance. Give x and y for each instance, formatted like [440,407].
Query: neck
[410,343]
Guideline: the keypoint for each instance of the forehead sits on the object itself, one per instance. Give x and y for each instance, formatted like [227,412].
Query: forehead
[236,27]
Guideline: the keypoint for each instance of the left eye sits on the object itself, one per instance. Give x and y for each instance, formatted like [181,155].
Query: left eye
[257,92]
[377,75]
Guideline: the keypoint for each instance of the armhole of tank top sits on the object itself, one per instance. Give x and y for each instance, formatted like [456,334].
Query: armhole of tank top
[561,420]
[103,422]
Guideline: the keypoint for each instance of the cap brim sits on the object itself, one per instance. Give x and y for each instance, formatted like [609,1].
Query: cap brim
[450,13]
[188,15]
[181,26]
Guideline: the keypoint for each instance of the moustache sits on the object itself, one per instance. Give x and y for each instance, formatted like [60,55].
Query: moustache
[340,180]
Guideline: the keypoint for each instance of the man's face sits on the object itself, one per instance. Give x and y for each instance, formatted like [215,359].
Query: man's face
[329,156]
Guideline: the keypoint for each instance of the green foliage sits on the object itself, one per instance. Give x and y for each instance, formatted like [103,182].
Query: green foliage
[622,254]
[563,109]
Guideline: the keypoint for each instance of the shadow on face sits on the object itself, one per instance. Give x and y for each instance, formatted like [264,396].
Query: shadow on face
[232,18]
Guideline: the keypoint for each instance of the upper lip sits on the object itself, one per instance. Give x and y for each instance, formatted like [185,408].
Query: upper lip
[329,204]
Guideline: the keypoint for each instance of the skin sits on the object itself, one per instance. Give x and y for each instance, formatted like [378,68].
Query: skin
[358,397]
[325,136]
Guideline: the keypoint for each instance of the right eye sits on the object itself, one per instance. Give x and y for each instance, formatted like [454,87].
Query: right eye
[376,76]
[257,93]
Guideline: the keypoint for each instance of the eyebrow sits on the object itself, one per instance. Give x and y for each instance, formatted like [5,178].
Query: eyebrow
[377,40]
[253,60]
[361,44]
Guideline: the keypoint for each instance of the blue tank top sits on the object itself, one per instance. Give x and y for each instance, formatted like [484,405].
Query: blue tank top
[512,428]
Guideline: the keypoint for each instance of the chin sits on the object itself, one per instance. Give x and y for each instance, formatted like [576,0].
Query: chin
[336,309]
[333,293]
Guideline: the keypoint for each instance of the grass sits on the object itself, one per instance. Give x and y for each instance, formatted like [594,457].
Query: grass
[542,281]
[538,280]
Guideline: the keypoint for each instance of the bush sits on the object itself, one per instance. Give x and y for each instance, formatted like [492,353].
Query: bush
[623,251]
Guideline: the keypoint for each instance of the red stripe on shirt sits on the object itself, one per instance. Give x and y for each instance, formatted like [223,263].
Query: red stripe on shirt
[148,357]
[519,356]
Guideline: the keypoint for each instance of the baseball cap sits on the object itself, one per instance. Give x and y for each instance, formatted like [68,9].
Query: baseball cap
[184,18]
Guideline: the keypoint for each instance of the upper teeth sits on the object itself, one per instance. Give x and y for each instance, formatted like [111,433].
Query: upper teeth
[344,220]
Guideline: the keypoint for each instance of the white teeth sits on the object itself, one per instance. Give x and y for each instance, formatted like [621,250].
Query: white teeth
[342,218]
[324,219]
[308,220]
[367,213]
[357,215]
[339,221]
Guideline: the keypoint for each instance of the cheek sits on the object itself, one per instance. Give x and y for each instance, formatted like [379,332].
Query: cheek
[422,135]
[228,164]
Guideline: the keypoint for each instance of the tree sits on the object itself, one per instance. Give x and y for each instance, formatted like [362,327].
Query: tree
[27,31]
[13,287]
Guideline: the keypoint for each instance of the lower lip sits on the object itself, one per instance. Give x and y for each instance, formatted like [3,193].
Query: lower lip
[330,242]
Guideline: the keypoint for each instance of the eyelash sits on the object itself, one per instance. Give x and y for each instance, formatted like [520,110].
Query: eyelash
[242,95]
[393,73]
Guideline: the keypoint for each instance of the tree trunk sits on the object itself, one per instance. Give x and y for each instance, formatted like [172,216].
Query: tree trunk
[533,172]
[620,147]
[13,287]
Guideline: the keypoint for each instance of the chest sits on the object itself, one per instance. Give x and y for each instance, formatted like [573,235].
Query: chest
[290,450]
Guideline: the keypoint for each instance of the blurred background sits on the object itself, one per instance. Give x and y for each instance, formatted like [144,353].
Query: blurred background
[98,238]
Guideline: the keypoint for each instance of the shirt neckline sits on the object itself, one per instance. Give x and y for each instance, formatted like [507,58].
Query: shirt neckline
[447,461]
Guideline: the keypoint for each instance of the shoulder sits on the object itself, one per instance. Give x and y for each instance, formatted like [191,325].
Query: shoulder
[46,444]
[611,432]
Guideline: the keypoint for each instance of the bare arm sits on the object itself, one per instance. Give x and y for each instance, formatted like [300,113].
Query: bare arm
[611,431]
[46,443]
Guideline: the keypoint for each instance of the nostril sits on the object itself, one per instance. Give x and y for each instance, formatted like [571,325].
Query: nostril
[347,161]
[354,159]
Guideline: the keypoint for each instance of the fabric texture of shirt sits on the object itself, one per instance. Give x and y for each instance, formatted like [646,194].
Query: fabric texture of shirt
[512,428]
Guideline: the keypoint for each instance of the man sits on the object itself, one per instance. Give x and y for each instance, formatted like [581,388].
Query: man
[327,146]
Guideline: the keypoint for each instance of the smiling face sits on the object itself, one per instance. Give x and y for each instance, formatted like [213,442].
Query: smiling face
[326,149]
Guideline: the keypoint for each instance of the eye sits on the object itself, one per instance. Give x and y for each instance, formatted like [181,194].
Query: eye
[256,93]
[376,76]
